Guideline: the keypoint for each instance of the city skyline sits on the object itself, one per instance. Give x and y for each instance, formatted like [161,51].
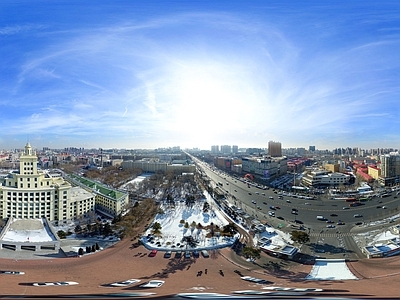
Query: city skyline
[194,74]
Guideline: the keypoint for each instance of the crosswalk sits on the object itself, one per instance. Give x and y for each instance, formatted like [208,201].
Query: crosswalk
[331,234]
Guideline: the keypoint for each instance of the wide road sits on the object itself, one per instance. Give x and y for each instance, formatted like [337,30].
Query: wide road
[308,209]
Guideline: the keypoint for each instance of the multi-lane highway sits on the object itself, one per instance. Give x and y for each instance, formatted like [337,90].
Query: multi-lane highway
[255,198]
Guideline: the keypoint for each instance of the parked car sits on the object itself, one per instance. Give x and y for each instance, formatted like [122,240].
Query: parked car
[271,213]
[125,283]
[153,253]
[167,254]
[205,253]
[265,203]
[152,284]
[12,272]
[56,283]
[187,254]
[178,254]
[196,254]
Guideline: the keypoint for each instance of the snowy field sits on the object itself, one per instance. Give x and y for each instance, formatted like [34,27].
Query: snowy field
[172,230]
[330,269]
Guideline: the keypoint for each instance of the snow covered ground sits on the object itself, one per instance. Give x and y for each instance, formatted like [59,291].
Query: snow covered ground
[330,269]
[172,230]
[27,230]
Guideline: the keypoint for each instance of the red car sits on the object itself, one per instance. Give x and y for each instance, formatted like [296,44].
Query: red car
[277,207]
[153,253]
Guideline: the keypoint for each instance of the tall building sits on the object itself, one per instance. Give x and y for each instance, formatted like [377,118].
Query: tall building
[390,168]
[274,149]
[215,149]
[235,149]
[29,193]
[226,149]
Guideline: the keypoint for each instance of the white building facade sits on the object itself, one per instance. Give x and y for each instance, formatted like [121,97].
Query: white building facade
[31,193]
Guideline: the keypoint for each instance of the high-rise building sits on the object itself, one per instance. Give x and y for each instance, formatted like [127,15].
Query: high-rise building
[274,149]
[215,149]
[235,149]
[226,149]
[311,148]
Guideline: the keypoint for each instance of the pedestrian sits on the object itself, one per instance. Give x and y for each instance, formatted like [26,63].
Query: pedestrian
[205,271]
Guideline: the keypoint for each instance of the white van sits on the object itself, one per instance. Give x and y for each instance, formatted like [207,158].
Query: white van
[321,218]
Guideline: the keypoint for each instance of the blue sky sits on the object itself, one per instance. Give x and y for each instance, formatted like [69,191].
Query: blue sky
[149,74]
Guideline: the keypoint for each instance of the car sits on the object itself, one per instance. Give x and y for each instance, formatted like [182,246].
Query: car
[277,207]
[167,254]
[255,280]
[259,207]
[359,223]
[263,194]
[235,190]
[196,254]
[379,206]
[340,223]
[294,212]
[153,253]
[298,222]
[12,272]
[357,216]
[257,193]
[254,201]
[270,197]
[265,203]
[384,207]
[178,254]
[250,194]
[288,201]
[152,284]
[295,209]
[187,254]
[125,283]
[330,226]
[307,203]
[346,207]
[329,221]
[280,218]
[271,213]
[205,253]
[55,283]
[334,215]
[272,207]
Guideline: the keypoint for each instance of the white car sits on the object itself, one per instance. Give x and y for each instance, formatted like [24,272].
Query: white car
[12,272]
[56,283]
[126,282]
[152,284]
[255,280]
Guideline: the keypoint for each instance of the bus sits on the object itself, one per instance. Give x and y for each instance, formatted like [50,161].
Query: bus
[351,200]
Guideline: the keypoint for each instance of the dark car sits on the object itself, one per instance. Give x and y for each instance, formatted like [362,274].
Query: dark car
[196,254]
[298,222]
[167,254]
[340,223]
[334,215]
[280,218]
[178,254]
[359,223]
